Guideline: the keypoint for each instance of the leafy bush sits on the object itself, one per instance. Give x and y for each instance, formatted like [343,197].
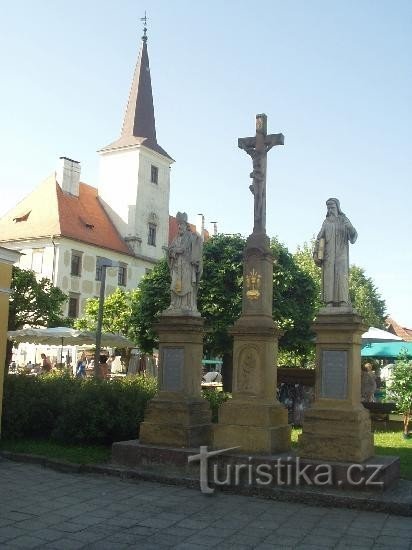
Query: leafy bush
[215,398]
[400,389]
[75,410]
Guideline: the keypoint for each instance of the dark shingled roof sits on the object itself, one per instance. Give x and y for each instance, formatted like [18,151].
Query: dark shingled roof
[139,126]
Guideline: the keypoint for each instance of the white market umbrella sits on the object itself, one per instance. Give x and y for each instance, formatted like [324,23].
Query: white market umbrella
[66,336]
[379,335]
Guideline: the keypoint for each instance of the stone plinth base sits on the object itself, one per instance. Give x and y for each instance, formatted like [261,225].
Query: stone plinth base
[337,434]
[261,472]
[177,423]
[252,426]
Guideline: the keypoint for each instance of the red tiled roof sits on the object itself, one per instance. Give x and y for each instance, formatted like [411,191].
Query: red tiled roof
[173,229]
[395,328]
[51,212]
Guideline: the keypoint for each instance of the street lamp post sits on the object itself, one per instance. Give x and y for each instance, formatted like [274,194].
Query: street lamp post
[103,263]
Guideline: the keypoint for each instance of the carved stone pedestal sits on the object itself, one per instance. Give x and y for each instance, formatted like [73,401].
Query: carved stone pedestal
[253,419]
[178,416]
[337,427]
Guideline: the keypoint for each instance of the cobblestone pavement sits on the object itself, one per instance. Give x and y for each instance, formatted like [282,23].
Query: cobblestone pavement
[42,508]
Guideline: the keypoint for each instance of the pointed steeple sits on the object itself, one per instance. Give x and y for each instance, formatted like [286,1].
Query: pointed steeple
[139,120]
[139,125]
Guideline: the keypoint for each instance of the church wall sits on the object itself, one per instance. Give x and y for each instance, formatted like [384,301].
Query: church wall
[153,198]
[118,179]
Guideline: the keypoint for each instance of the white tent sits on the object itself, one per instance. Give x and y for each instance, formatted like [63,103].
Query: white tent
[379,335]
[66,336]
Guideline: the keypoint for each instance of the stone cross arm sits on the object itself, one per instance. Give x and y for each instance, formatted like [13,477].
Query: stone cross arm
[250,145]
[274,139]
[247,144]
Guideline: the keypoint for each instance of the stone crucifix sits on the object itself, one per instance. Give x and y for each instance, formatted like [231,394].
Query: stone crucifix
[257,148]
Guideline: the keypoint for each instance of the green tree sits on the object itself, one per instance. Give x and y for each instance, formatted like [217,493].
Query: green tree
[220,292]
[153,298]
[116,312]
[366,298]
[294,302]
[364,295]
[33,302]
[220,297]
[304,259]
[401,389]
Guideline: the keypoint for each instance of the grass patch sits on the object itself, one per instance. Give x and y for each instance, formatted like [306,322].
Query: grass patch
[77,454]
[386,443]
[393,443]
[389,443]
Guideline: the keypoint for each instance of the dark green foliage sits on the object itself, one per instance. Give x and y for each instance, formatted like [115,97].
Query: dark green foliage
[294,301]
[220,292]
[153,298]
[75,410]
[215,398]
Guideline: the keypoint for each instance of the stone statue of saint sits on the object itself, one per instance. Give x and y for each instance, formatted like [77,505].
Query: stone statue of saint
[186,265]
[332,254]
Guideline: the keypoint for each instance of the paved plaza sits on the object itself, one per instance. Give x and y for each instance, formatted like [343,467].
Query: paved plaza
[42,508]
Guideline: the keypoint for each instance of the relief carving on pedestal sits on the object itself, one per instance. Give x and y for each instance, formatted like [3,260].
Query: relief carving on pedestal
[248,370]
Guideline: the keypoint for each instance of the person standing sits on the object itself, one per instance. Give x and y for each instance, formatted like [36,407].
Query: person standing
[46,364]
[368,383]
[103,370]
[332,254]
[81,366]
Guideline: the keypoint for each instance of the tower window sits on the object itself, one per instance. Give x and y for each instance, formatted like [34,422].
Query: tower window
[154,174]
[76,263]
[151,238]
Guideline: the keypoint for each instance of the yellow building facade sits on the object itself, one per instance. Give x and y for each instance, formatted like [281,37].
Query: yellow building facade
[7,259]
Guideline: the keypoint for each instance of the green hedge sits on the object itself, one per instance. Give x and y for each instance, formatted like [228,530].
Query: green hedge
[75,410]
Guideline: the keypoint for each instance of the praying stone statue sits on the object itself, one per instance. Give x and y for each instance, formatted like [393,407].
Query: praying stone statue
[186,265]
[332,254]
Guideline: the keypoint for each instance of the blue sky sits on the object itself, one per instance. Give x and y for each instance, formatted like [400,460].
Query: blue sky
[334,77]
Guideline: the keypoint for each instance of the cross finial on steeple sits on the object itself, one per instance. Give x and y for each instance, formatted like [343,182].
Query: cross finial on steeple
[144,19]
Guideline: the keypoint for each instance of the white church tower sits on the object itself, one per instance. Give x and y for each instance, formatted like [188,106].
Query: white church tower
[134,179]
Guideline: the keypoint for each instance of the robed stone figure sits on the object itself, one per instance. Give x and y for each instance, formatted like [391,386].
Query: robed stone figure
[332,254]
[186,266]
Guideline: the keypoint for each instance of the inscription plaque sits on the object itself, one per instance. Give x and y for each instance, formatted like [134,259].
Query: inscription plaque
[334,374]
[173,360]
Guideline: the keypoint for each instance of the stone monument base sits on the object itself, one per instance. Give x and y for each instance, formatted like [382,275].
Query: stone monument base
[178,415]
[252,426]
[261,473]
[178,423]
[337,434]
